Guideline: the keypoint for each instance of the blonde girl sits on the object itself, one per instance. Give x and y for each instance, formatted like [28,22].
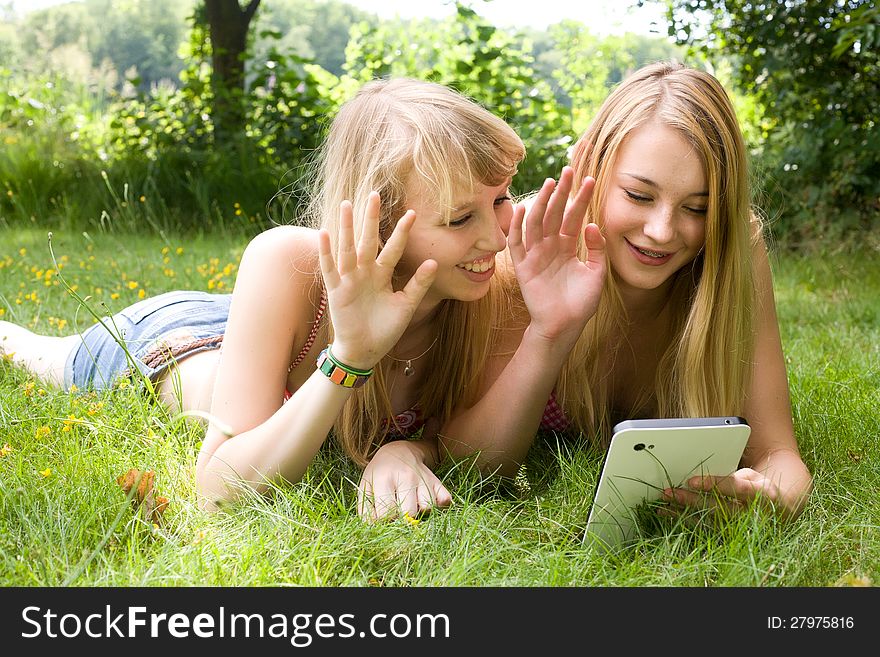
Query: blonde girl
[685,325]
[375,323]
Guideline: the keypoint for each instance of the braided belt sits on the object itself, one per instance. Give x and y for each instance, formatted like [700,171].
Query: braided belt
[163,355]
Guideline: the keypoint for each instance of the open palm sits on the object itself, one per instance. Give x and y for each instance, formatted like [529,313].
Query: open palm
[368,315]
[561,292]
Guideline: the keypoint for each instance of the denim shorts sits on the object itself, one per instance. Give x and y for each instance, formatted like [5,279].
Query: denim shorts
[156,332]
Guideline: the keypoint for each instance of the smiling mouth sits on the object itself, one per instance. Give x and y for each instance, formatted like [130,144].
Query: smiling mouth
[479,266]
[649,252]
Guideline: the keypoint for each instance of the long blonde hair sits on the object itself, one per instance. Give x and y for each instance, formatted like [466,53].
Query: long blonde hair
[706,366]
[390,132]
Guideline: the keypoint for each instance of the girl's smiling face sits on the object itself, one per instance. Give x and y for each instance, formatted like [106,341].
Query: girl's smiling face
[464,248]
[655,208]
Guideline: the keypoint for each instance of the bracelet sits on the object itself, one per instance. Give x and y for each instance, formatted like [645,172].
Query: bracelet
[339,373]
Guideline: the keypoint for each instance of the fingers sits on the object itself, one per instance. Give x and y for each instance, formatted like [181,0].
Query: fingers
[577,209]
[595,243]
[556,207]
[325,257]
[420,282]
[346,256]
[393,249]
[410,496]
[535,217]
[368,244]
[514,237]
[743,485]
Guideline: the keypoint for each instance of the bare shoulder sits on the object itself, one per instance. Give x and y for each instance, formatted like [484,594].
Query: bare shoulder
[295,245]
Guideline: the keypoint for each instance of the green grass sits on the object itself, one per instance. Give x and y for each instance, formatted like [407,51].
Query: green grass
[75,525]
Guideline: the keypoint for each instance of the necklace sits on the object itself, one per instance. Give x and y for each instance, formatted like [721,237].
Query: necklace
[408,369]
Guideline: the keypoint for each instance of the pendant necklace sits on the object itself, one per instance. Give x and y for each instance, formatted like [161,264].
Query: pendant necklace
[408,369]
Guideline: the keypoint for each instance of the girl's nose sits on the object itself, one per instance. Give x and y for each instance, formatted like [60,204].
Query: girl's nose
[660,226]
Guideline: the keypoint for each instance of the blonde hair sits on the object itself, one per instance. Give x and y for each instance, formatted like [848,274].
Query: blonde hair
[706,366]
[392,132]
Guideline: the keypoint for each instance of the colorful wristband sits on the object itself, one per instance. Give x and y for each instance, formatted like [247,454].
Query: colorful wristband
[339,373]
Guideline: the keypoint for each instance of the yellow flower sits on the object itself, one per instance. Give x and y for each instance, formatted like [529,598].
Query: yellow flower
[46,473]
[179,250]
[142,293]
[132,285]
[73,387]
[43,431]
[62,323]
[2,312]
[22,251]
[114,295]
[143,198]
[411,520]
[29,388]
[5,450]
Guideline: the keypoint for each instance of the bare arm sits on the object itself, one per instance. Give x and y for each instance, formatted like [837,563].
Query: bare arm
[270,297]
[771,465]
[561,294]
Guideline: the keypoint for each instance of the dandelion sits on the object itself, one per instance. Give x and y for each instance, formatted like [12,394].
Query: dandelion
[22,252]
[46,473]
[142,293]
[411,520]
[42,432]
[165,250]
[70,421]
[41,392]
[132,285]
[6,450]
[9,193]
[29,388]
[114,295]
[179,250]
[143,199]
[2,312]
[61,324]
[73,388]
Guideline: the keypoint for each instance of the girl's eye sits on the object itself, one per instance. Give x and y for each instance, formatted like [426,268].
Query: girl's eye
[700,211]
[501,200]
[461,221]
[636,197]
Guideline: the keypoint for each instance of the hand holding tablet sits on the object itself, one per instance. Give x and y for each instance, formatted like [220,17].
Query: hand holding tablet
[647,456]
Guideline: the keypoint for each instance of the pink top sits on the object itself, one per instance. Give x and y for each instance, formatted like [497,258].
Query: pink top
[410,422]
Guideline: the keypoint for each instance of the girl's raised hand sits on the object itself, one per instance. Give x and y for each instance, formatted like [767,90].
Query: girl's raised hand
[560,291]
[368,315]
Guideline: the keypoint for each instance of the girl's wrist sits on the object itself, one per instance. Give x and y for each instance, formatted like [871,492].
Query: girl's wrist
[549,346]
[351,358]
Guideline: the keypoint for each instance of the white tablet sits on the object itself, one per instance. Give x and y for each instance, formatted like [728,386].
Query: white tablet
[647,456]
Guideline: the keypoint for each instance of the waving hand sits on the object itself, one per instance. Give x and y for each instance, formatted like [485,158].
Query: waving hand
[368,315]
[560,291]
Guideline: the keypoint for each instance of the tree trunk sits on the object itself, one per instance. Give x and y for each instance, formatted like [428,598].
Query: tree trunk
[228,24]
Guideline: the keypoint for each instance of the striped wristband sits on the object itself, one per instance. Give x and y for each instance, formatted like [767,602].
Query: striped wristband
[339,373]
